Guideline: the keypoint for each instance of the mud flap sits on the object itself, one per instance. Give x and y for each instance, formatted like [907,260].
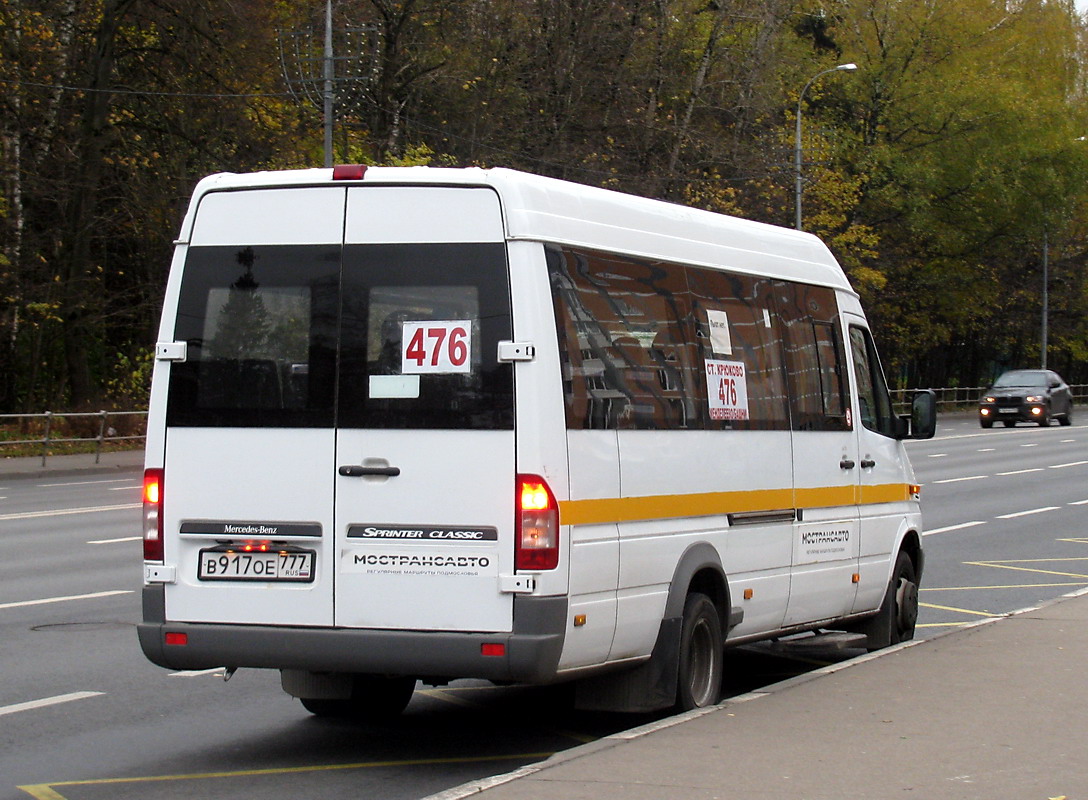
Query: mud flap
[648,687]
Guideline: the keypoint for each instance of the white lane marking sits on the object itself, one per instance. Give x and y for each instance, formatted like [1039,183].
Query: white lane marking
[958,480]
[1022,471]
[85,483]
[65,512]
[1027,513]
[1033,444]
[45,600]
[196,673]
[1079,503]
[125,488]
[48,701]
[948,528]
[987,449]
[1070,464]
[114,541]
[937,455]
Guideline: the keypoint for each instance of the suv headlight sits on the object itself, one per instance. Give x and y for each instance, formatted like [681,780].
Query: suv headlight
[1034,398]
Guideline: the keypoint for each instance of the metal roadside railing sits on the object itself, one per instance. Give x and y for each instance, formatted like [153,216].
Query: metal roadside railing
[59,427]
[960,397]
[51,428]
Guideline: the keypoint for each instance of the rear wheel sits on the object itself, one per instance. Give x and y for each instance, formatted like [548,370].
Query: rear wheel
[372,698]
[701,655]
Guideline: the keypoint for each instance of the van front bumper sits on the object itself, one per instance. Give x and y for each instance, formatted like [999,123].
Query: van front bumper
[531,650]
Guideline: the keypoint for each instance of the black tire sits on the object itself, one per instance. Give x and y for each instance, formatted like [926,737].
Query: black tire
[898,615]
[373,698]
[905,603]
[1009,423]
[701,655]
[986,423]
[1066,419]
[1044,420]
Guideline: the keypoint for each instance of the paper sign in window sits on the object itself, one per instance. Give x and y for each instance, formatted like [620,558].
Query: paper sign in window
[727,390]
[720,341]
[436,346]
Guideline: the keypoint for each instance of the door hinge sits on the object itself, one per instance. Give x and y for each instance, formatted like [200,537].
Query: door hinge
[171,351]
[516,351]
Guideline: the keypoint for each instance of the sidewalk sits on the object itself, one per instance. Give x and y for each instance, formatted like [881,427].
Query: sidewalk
[81,464]
[994,711]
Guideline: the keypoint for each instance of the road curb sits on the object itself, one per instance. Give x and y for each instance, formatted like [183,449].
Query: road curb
[623,737]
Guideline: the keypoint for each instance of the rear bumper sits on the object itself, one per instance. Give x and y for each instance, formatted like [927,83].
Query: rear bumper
[532,649]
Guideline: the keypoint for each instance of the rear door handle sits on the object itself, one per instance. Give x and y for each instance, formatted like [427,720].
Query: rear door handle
[846,463]
[358,471]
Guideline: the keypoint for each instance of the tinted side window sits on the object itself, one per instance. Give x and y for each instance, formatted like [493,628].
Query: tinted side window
[420,330]
[874,402]
[260,325]
[740,336]
[628,356]
[814,360]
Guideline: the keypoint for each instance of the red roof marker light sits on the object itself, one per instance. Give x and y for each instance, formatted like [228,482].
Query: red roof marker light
[348,172]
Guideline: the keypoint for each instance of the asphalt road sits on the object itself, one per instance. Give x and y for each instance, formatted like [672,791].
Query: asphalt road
[83,715]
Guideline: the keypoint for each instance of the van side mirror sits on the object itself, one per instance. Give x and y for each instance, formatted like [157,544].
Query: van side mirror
[923,415]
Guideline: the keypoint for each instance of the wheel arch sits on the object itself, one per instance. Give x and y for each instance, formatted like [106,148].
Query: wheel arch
[700,570]
[912,546]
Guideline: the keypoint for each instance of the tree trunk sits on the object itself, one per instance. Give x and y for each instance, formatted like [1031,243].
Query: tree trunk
[80,217]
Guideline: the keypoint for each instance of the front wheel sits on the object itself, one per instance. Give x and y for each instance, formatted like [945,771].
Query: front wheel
[898,615]
[701,654]
[373,698]
[1067,419]
[986,423]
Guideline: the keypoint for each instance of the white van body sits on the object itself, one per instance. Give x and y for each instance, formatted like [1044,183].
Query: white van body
[357,372]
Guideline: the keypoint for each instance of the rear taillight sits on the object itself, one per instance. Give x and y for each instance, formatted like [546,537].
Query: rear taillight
[537,543]
[153,515]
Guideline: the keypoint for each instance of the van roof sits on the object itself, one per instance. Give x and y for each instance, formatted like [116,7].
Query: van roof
[537,208]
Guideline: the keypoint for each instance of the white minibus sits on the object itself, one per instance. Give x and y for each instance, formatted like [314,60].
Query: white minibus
[419,424]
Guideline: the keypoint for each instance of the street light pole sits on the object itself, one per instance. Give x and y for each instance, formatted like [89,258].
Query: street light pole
[1046,291]
[329,75]
[797,138]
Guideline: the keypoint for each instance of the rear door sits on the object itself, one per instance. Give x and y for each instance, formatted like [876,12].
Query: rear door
[250,438]
[424,451]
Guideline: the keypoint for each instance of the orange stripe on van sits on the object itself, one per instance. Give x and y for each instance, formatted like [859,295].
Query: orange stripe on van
[676,506]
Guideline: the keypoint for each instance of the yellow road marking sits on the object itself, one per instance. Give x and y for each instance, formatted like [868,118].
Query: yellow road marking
[999,586]
[960,610]
[46,791]
[1009,565]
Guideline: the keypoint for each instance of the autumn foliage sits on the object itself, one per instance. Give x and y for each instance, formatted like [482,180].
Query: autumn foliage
[938,172]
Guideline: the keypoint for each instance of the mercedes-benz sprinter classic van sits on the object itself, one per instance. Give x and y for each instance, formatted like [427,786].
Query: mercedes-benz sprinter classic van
[426,424]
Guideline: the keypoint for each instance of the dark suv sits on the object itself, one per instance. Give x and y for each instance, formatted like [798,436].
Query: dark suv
[1026,395]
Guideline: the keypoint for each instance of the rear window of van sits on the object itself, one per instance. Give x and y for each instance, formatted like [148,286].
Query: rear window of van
[362,336]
